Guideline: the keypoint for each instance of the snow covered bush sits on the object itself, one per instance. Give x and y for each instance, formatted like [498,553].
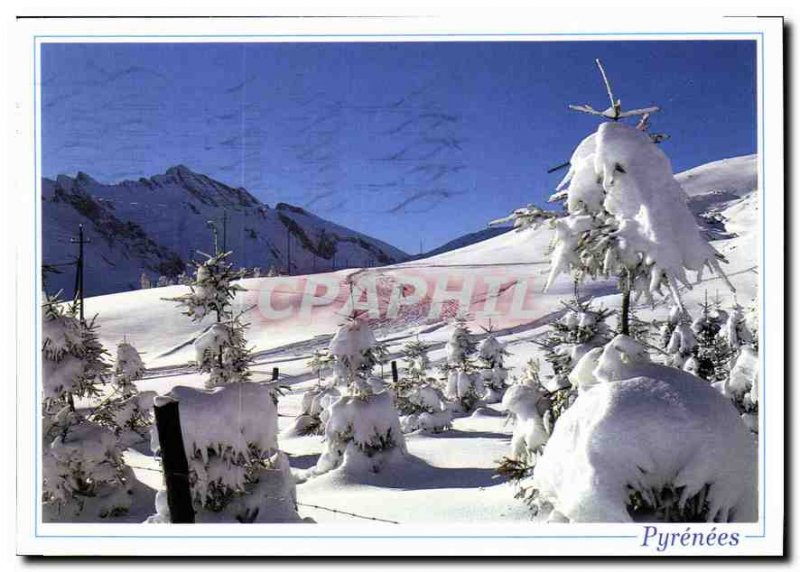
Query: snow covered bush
[84,476]
[221,350]
[531,411]
[646,441]
[416,361]
[320,363]
[464,384]
[491,354]
[236,472]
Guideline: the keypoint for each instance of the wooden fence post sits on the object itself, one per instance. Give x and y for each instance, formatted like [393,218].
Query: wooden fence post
[173,459]
[275,373]
[395,376]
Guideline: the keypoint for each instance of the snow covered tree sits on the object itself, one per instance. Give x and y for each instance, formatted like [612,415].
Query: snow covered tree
[627,216]
[362,427]
[128,369]
[736,330]
[83,471]
[421,403]
[126,409]
[223,353]
[464,383]
[491,354]
[581,328]
[527,403]
[668,326]
[352,349]
[739,333]
[320,363]
[315,401]
[682,346]
[712,354]
[221,350]
[144,281]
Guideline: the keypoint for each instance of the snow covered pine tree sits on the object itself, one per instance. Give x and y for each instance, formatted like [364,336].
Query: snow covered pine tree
[606,460]
[362,430]
[82,468]
[419,400]
[221,349]
[127,409]
[464,384]
[491,354]
[236,471]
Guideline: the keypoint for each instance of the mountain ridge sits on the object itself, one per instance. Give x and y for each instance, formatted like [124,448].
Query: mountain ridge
[156,225]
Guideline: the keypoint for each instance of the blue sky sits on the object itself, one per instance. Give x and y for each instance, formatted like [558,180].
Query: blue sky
[409,142]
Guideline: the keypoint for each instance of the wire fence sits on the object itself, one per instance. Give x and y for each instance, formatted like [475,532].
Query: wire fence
[301,504]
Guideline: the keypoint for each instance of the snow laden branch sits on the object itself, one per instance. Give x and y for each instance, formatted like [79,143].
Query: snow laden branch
[628,217]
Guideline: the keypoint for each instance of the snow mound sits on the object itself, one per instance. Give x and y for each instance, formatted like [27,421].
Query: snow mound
[643,427]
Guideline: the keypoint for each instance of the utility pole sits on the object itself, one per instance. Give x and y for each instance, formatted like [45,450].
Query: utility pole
[224,230]
[288,251]
[80,241]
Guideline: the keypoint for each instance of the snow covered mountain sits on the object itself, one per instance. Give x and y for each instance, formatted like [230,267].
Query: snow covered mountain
[155,225]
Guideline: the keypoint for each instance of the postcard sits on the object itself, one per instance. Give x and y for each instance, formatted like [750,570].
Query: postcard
[400,286]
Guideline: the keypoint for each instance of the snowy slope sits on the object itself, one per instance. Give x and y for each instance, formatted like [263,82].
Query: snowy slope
[155,225]
[448,476]
[737,175]
[466,240]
